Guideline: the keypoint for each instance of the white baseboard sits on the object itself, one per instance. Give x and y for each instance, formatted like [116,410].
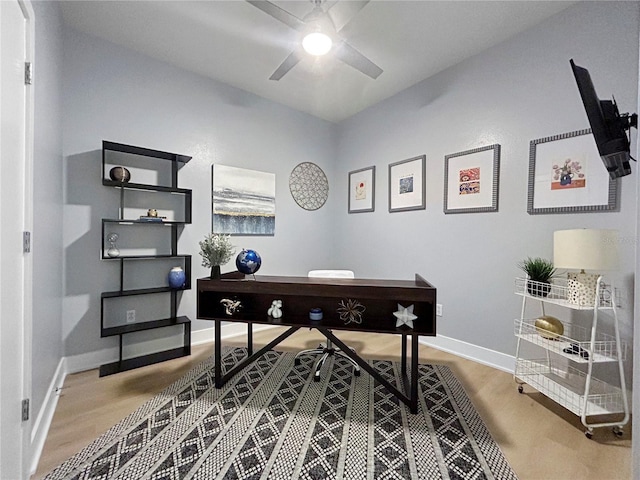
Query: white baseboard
[469,351]
[90,360]
[485,356]
[228,331]
[40,426]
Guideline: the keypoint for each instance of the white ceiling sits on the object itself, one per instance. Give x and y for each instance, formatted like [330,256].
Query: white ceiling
[238,44]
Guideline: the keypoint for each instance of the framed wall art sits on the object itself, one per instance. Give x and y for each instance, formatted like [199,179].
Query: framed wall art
[566,175]
[243,201]
[471,180]
[407,190]
[362,189]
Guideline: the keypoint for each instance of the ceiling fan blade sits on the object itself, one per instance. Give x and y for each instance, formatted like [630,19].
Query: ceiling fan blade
[342,13]
[278,13]
[355,59]
[289,62]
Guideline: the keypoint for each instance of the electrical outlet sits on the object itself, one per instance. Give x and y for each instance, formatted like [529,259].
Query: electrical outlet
[131,316]
[439,309]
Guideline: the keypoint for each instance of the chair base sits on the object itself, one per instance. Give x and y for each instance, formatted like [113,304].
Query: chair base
[325,351]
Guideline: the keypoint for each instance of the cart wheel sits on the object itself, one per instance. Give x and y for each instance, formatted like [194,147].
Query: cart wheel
[316,378]
[588,434]
[617,431]
[520,389]
[356,373]
[296,362]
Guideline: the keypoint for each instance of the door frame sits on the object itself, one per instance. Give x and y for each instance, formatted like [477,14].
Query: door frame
[16,442]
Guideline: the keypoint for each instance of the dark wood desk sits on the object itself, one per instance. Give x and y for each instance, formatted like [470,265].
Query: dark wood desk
[300,294]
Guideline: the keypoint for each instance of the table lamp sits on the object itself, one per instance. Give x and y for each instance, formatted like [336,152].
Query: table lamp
[584,249]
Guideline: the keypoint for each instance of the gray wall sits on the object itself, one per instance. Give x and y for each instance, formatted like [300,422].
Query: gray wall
[47,347]
[520,90]
[114,94]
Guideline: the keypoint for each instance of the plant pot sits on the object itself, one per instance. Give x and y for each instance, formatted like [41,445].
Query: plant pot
[215,272]
[538,289]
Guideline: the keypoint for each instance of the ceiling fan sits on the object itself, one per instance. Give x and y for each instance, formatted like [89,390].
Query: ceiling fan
[320,31]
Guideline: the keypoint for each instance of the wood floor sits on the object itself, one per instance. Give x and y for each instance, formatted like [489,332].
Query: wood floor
[540,439]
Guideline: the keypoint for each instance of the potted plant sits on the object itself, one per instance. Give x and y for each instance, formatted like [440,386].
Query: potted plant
[539,273]
[216,250]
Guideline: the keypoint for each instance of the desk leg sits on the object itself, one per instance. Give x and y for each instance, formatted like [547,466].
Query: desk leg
[404,354]
[410,399]
[413,406]
[250,339]
[217,348]
[223,378]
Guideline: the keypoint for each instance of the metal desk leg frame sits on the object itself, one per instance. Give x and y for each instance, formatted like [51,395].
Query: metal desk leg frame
[410,398]
[222,378]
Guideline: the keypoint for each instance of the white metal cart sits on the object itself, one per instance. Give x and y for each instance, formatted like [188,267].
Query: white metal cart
[572,387]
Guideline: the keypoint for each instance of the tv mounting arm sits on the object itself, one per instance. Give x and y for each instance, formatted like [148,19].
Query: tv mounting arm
[629,120]
[622,120]
[626,121]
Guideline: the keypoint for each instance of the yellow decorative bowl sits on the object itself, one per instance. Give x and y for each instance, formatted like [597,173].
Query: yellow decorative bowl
[549,327]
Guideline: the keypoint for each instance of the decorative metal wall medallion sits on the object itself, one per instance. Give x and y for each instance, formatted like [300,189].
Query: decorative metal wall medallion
[309,186]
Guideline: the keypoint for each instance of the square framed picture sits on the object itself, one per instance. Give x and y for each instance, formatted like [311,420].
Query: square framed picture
[407,189]
[243,202]
[362,190]
[471,180]
[566,175]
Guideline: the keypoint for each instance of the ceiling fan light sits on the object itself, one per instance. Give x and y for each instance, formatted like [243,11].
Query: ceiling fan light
[317,43]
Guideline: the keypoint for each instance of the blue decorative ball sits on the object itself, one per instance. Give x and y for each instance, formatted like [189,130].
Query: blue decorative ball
[248,261]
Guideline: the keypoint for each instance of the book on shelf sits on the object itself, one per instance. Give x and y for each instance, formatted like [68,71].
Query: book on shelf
[146,218]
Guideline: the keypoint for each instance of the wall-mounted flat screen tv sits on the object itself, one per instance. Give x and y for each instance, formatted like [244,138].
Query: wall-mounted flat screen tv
[608,126]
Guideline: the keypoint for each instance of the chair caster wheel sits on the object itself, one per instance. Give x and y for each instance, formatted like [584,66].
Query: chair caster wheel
[520,389]
[588,434]
[356,373]
[617,431]
[316,378]
[296,362]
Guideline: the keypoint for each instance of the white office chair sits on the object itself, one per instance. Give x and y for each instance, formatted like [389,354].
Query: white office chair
[328,349]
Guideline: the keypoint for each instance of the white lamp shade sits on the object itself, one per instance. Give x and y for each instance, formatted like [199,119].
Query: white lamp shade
[586,249]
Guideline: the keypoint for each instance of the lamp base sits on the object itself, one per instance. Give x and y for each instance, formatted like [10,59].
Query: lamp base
[581,288]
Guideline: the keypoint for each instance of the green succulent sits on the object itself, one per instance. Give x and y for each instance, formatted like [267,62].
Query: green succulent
[538,269]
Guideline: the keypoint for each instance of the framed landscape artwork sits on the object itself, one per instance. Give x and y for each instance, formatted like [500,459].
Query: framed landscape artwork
[471,180]
[243,201]
[407,189]
[362,189]
[566,175]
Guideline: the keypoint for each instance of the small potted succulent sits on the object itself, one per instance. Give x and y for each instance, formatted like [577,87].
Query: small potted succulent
[539,273]
[216,250]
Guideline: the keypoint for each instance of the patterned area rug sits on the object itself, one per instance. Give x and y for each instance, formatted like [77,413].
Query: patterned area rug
[272,421]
